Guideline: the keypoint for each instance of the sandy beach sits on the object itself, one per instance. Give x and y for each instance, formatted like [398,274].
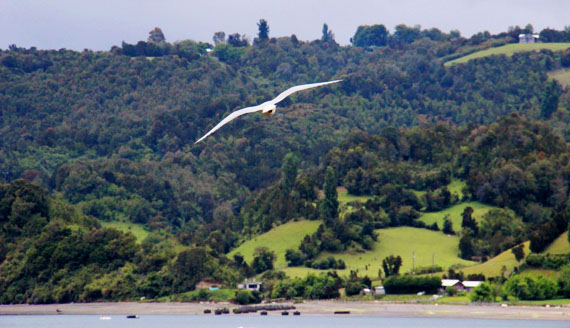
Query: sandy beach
[313,308]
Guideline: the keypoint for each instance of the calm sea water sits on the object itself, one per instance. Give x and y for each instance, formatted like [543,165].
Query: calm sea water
[252,321]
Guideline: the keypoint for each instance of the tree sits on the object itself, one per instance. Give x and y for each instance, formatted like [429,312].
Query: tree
[190,267]
[156,35]
[263,259]
[237,40]
[375,35]
[518,251]
[448,226]
[263,29]
[468,220]
[549,103]
[328,35]
[405,34]
[482,293]
[294,257]
[289,169]
[219,37]
[328,209]
[391,265]
[466,244]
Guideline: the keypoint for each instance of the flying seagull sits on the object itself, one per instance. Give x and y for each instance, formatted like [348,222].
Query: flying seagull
[268,107]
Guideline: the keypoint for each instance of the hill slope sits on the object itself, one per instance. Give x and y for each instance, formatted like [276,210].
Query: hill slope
[559,246]
[454,212]
[402,241]
[279,239]
[509,50]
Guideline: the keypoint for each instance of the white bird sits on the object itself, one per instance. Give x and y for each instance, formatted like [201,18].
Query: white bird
[268,107]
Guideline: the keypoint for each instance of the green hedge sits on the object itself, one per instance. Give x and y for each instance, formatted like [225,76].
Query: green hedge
[411,284]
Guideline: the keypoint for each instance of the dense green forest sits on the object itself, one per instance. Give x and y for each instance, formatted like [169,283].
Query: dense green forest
[91,137]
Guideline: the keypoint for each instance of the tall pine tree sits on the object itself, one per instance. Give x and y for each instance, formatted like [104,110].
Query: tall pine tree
[328,208]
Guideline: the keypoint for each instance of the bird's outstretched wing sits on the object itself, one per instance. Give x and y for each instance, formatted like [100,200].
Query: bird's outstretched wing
[230,117]
[296,88]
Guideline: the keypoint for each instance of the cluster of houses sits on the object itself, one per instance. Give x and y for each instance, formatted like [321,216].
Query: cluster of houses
[467,286]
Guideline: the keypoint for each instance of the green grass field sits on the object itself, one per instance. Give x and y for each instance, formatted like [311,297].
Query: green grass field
[456,188]
[559,246]
[136,229]
[454,212]
[509,50]
[492,267]
[535,273]
[402,241]
[279,239]
[344,197]
[562,76]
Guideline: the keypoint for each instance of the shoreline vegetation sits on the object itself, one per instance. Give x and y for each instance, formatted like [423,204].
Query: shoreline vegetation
[312,308]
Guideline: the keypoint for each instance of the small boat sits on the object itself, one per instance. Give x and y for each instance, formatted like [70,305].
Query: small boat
[263,313]
[296,313]
[132,316]
[104,318]
[285,313]
[341,312]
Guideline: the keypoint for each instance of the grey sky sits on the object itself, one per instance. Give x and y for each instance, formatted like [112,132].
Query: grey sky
[100,24]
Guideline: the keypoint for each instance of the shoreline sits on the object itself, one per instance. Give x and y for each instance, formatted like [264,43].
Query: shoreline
[308,308]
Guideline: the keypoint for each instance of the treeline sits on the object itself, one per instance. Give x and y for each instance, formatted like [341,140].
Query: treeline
[378,35]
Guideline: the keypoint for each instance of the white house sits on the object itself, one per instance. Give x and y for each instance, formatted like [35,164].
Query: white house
[452,283]
[471,284]
[250,285]
[528,38]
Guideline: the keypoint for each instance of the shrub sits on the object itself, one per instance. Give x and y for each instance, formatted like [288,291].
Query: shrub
[564,281]
[527,288]
[353,288]
[482,293]
[547,261]
[450,291]
[244,297]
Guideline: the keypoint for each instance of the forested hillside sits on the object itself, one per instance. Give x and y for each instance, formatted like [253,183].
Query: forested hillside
[112,133]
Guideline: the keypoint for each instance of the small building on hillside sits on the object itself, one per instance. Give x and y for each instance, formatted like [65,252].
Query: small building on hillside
[471,284]
[250,285]
[452,283]
[528,38]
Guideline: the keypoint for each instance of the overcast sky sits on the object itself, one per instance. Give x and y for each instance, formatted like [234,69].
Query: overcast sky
[100,24]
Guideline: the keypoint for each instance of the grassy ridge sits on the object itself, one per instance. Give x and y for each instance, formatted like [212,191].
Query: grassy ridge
[279,239]
[402,241]
[509,50]
[493,267]
[454,212]
[559,246]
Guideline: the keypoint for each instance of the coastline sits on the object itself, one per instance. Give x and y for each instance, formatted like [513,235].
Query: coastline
[310,308]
